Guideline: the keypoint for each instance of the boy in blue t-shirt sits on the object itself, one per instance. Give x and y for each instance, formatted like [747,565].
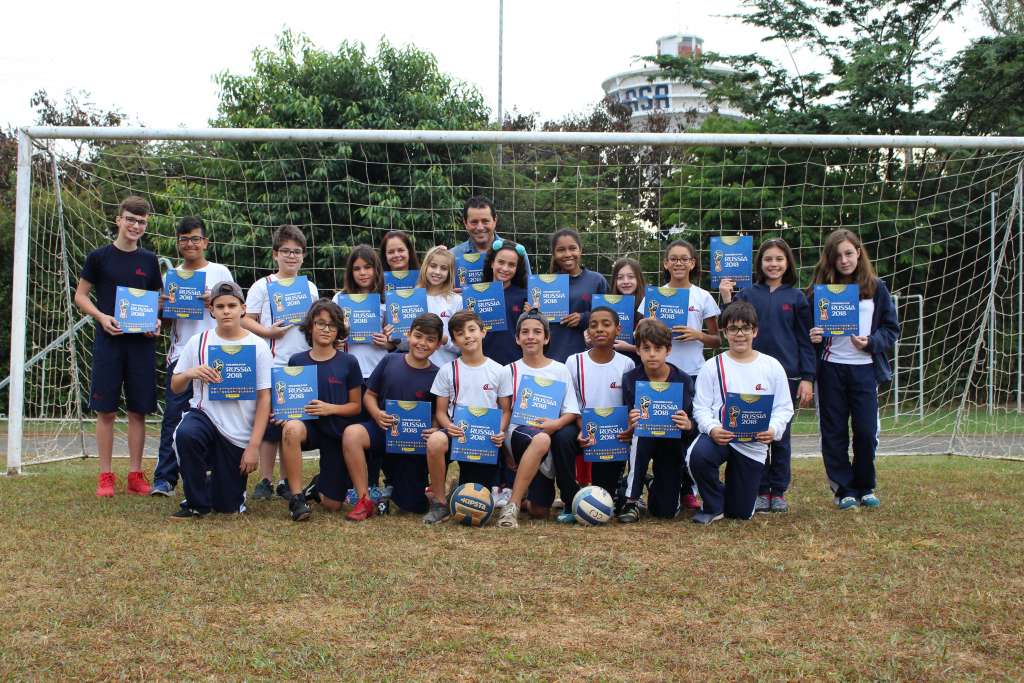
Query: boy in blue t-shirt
[339,390]
[119,359]
[400,377]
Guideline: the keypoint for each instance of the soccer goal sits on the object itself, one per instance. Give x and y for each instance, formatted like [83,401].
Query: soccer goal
[940,217]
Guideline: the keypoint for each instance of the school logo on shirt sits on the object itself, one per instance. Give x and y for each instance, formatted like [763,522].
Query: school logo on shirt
[758,388]
[787,307]
[421,394]
[331,379]
[694,309]
[614,385]
[140,272]
[488,387]
[516,309]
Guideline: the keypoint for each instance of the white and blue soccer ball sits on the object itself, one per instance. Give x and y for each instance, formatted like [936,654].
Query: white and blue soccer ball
[592,506]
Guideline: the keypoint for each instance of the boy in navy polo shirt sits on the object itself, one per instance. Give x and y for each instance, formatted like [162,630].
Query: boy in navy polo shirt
[217,442]
[192,244]
[653,344]
[120,359]
[339,388]
[400,377]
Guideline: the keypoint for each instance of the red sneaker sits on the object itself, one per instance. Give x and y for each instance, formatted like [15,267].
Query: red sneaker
[137,484]
[691,502]
[105,485]
[363,510]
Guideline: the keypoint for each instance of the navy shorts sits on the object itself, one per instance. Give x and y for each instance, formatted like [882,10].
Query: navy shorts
[406,473]
[541,491]
[334,481]
[127,360]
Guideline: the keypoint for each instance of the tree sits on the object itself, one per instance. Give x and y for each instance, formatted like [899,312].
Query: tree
[1005,17]
[983,89]
[342,194]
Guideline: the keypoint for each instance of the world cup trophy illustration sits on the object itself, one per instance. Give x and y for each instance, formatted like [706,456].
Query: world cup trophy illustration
[535,293]
[719,257]
[652,308]
[645,408]
[734,416]
[278,302]
[123,312]
[822,309]
[172,292]
[394,308]
[346,317]
[463,425]
[462,276]
[591,430]
[524,402]
[471,305]
[218,365]
[394,425]
[279,390]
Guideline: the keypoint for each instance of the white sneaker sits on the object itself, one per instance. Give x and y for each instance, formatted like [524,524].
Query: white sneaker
[509,517]
[501,496]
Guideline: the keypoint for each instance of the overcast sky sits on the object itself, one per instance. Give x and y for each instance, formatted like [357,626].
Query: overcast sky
[156,61]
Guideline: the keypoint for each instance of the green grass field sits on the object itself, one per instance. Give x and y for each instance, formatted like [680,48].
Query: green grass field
[928,587]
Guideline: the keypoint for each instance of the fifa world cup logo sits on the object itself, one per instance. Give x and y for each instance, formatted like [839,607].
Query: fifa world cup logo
[218,365]
[462,276]
[463,425]
[279,389]
[394,308]
[471,305]
[524,402]
[346,317]
[591,430]
[394,426]
[172,292]
[278,302]
[124,309]
[734,415]
[652,308]
[645,408]
[535,292]
[822,309]
[719,256]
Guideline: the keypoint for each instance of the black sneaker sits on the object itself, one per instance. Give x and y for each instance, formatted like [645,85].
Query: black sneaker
[630,513]
[283,491]
[311,492]
[299,508]
[263,491]
[188,513]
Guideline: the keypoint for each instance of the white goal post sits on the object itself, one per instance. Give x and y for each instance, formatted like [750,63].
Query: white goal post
[962,389]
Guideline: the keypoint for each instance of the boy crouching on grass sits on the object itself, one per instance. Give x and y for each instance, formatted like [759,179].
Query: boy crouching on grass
[653,344]
[399,377]
[471,380]
[740,370]
[530,443]
[217,442]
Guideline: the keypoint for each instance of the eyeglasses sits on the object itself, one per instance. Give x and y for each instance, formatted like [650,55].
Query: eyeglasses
[132,220]
[733,330]
[290,252]
[190,239]
[324,326]
[676,260]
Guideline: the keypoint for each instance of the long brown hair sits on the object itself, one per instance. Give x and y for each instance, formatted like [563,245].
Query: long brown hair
[825,272]
[641,283]
[789,275]
[366,253]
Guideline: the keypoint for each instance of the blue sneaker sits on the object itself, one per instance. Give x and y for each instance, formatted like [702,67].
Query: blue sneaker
[846,503]
[870,501]
[565,517]
[161,488]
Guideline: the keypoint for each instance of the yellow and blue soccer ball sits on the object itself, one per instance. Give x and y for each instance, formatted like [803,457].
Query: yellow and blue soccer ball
[471,504]
[592,506]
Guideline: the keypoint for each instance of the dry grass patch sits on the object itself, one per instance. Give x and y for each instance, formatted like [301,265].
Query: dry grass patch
[928,587]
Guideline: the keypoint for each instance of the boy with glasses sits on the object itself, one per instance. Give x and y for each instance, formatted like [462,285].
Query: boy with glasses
[192,243]
[285,339]
[120,359]
[740,370]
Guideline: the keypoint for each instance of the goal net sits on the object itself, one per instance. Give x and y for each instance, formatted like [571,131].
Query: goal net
[941,220]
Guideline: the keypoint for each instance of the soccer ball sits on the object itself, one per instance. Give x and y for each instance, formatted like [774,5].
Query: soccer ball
[592,505]
[471,504]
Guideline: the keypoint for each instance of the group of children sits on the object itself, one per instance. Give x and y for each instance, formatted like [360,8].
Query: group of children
[450,359]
